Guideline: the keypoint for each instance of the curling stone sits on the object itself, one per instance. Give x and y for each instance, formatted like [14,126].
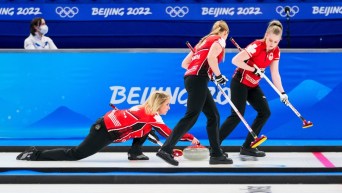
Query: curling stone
[196,152]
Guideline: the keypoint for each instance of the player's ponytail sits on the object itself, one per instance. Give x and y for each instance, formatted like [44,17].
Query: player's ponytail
[219,26]
[274,27]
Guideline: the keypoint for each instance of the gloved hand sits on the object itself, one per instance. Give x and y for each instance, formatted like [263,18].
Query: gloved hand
[154,138]
[258,72]
[221,79]
[195,141]
[284,98]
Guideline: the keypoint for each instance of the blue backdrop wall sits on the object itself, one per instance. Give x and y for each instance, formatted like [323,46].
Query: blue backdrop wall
[46,95]
[169,23]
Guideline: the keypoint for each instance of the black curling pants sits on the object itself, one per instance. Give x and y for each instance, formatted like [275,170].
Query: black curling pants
[97,139]
[199,100]
[256,98]
[136,148]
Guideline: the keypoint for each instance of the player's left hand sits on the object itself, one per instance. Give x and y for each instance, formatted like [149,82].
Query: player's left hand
[195,141]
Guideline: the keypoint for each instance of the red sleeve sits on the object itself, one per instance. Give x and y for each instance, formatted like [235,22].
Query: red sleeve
[165,131]
[162,129]
[253,49]
[187,137]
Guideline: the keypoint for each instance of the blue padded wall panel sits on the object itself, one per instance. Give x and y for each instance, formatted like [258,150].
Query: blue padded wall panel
[168,34]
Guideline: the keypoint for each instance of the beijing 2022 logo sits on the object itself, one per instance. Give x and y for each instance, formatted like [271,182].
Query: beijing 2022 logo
[66,11]
[177,11]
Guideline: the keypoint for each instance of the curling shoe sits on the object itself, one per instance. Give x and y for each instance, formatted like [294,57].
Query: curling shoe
[252,152]
[28,154]
[224,153]
[220,160]
[167,157]
[137,157]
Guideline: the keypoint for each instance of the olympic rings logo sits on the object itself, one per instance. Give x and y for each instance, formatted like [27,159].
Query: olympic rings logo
[293,11]
[67,11]
[177,11]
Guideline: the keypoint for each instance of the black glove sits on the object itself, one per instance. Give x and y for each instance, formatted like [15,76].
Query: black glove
[221,79]
[258,72]
[156,138]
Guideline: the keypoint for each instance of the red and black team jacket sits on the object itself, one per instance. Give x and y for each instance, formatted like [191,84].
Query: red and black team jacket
[261,58]
[135,123]
[199,65]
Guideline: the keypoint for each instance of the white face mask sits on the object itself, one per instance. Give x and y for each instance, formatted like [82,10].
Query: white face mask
[44,29]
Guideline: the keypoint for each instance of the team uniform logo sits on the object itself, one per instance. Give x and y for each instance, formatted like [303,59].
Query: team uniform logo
[270,56]
[177,11]
[66,11]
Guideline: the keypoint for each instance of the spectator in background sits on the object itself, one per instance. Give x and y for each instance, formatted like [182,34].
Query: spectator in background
[37,39]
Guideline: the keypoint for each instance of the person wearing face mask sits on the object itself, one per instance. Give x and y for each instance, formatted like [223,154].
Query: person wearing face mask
[245,84]
[37,39]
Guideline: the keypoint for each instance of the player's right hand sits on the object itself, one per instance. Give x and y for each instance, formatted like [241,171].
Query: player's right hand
[221,79]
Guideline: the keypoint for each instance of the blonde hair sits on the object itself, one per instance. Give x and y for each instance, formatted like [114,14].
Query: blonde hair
[274,27]
[218,27]
[155,101]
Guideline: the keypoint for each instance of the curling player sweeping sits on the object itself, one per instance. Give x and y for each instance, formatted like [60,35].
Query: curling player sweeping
[245,85]
[257,140]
